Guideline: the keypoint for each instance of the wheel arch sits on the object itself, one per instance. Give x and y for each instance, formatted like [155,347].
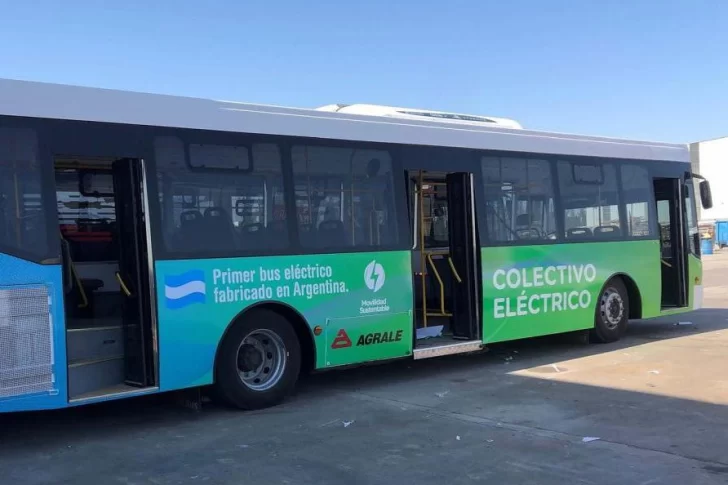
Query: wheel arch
[633,293]
[297,321]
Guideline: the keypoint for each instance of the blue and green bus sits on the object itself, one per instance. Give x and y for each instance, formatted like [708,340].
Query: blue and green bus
[151,243]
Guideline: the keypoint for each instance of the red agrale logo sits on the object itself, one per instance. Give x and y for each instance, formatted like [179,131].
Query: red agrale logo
[341,341]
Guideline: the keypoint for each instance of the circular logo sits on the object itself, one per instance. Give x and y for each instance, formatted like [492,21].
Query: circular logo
[374,276]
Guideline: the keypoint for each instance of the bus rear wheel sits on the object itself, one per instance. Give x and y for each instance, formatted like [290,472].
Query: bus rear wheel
[612,312]
[259,361]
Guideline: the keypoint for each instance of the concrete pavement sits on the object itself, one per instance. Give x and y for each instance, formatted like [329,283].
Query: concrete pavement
[657,401]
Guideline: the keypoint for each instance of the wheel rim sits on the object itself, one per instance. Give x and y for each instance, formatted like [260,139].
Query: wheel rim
[612,308]
[261,359]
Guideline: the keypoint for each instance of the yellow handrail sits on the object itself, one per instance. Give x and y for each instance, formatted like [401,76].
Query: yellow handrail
[439,281]
[122,285]
[80,286]
[74,274]
[454,271]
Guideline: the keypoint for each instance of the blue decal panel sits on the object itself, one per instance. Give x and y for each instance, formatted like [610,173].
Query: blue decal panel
[18,274]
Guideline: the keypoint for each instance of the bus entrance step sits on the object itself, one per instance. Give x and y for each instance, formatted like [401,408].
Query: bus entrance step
[448,349]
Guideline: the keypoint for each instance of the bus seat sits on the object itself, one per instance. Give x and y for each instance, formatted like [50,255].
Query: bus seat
[190,220]
[528,233]
[277,234]
[607,231]
[331,233]
[254,236]
[306,234]
[523,220]
[191,230]
[219,229]
[579,233]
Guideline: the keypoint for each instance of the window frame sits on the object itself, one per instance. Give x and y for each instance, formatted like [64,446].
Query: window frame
[206,137]
[651,203]
[399,198]
[285,146]
[621,208]
[486,239]
[653,167]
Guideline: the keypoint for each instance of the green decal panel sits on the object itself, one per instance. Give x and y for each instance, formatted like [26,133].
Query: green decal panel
[361,302]
[368,337]
[695,277]
[539,290]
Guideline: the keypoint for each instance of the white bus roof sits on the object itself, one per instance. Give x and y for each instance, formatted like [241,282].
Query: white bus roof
[55,101]
[421,114]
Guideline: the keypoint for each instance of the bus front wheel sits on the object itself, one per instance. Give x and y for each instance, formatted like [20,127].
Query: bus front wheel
[612,312]
[259,361]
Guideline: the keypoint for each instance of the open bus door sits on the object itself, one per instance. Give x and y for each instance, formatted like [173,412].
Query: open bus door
[464,256]
[671,217]
[133,274]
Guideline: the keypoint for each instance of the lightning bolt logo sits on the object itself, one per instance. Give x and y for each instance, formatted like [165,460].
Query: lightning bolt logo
[374,276]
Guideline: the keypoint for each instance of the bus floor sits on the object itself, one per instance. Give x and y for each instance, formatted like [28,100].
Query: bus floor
[436,339]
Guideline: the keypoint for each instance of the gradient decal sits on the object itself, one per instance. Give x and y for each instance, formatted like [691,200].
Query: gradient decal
[362,302]
[539,290]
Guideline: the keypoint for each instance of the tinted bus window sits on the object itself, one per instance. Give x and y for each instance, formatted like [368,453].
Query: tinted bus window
[590,198]
[226,200]
[519,199]
[23,221]
[636,191]
[344,197]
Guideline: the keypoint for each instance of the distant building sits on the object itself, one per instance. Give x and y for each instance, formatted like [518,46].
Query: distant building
[710,159]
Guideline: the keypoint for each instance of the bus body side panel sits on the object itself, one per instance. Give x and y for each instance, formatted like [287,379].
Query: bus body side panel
[363,303]
[530,291]
[695,282]
[32,336]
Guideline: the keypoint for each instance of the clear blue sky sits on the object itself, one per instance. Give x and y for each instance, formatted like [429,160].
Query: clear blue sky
[654,69]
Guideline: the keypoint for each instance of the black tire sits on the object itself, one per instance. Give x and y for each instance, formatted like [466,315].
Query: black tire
[611,314]
[229,384]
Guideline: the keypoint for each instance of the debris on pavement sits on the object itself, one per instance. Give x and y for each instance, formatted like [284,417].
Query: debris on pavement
[442,394]
[589,439]
[683,323]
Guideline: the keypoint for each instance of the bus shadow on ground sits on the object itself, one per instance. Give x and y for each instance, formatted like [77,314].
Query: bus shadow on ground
[52,431]
[523,354]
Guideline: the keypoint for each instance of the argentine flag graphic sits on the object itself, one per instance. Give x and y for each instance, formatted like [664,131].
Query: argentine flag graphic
[184,289]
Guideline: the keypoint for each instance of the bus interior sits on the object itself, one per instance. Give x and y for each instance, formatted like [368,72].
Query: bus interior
[106,286]
[445,262]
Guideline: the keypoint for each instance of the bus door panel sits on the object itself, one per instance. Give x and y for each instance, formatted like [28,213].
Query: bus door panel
[672,227]
[464,256]
[133,274]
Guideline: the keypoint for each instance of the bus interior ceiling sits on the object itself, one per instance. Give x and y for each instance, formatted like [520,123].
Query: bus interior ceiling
[435,277]
[90,249]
